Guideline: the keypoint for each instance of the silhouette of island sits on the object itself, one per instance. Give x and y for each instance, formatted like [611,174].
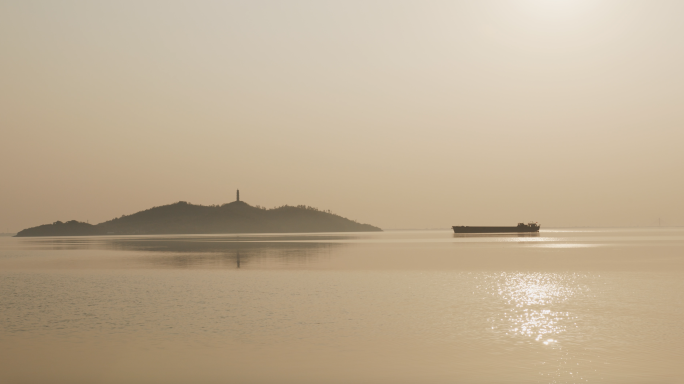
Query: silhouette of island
[186,218]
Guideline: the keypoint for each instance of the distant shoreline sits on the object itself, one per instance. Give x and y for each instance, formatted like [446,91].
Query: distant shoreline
[578,227]
[183,218]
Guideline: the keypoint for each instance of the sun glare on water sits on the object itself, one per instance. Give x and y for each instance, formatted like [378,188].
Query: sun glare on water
[534,302]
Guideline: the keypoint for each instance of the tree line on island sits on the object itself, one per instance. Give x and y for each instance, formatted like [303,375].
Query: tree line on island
[186,218]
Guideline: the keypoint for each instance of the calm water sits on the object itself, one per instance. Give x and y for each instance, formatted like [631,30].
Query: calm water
[564,306]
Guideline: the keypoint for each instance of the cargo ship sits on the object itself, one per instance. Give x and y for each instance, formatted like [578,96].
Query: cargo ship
[521,227]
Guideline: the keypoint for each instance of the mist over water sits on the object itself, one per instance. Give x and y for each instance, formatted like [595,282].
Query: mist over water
[563,306]
[122,117]
[400,114]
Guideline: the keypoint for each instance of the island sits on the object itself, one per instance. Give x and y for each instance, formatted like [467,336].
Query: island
[186,218]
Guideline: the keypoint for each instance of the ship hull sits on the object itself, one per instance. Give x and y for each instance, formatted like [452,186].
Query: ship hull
[495,229]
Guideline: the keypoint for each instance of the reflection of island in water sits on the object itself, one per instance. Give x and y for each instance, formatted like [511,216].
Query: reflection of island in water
[228,251]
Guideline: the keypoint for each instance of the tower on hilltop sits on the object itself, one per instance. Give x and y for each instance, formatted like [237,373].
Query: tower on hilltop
[238,195]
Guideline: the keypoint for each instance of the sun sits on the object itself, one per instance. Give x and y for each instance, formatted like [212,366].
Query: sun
[556,9]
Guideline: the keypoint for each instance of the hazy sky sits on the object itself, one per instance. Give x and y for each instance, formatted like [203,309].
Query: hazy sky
[398,114]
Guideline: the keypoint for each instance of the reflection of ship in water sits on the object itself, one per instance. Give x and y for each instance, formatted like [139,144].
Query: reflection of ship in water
[521,227]
[495,234]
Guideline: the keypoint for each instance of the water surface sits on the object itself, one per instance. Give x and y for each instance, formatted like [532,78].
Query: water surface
[563,306]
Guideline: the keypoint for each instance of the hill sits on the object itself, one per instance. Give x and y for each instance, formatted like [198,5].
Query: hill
[58,228]
[185,218]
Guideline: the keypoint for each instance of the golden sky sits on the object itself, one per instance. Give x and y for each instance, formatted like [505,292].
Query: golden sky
[420,114]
